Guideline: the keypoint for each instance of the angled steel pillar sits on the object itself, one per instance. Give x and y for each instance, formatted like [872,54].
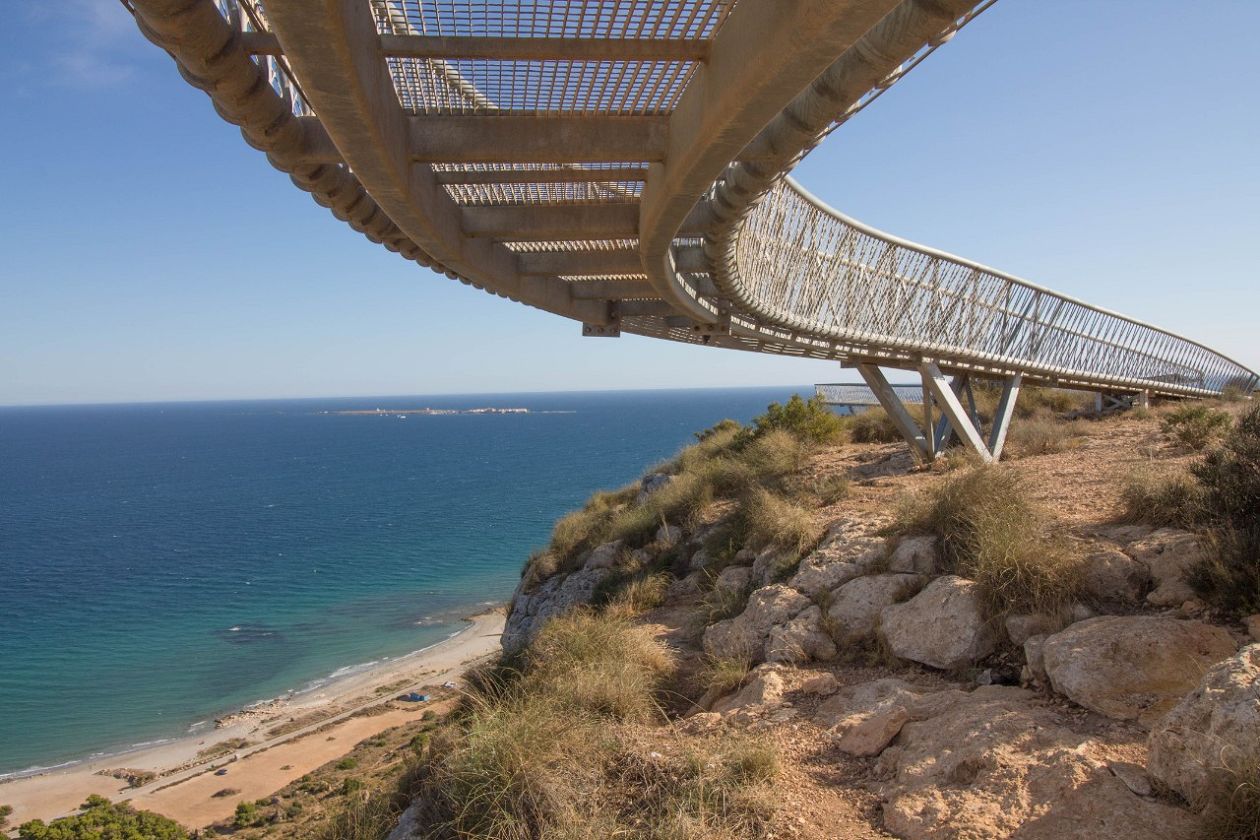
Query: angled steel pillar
[920,443]
[1002,417]
[952,409]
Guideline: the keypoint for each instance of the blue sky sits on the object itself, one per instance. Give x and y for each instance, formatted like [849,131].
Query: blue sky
[1106,150]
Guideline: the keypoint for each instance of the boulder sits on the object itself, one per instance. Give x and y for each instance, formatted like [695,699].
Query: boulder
[650,483]
[915,555]
[800,639]
[604,556]
[992,763]
[765,688]
[770,565]
[943,626]
[690,587]
[744,636]
[1252,623]
[1132,667]
[1170,555]
[668,534]
[1215,726]
[1109,576]
[733,580]
[556,596]
[865,718]
[1035,660]
[822,684]
[699,560]
[843,554]
[1020,627]
[856,606]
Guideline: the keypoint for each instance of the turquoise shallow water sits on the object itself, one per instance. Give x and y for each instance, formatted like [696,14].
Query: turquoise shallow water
[163,564]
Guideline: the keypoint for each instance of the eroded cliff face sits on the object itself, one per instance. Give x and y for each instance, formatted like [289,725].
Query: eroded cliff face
[936,717]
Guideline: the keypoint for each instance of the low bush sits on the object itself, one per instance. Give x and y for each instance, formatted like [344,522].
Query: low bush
[989,532]
[810,421]
[103,820]
[639,594]
[6,811]
[1230,475]
[723,675]
[1162,499]
[873,425]
[1195,425]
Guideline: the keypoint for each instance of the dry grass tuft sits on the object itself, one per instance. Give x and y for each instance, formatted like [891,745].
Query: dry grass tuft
[1041,434]
[1163,499]
[990,533]
[1232,810]
[774,521]
[723,675]
[873,426]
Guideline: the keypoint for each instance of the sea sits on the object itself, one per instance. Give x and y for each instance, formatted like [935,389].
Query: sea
[164,564]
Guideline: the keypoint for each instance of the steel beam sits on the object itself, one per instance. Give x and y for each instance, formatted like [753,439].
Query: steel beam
[551,222]
[516,138]
[562,263]
[1002,416]
[610,289]
[551,175]
[518,49]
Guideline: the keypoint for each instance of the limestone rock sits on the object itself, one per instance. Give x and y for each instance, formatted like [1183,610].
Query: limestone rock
[1110,576]
[556,596]
[1217,725]
[745,634]
[993,764]
[843,554]
[686,588]
[699,560]
[856,606]
[1132,667]
[942,626]
[1034,658]
[800,639]
[604,556]
[1020,627]
[770,564]
[865,718]
[822,684]
[1170,555]
[1252,623]
[765,688]
[650,483]
[1134,776]
[733,580]
[915,555]
[668,534]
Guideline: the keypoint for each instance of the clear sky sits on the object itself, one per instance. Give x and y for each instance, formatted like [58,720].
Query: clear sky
[1104,149]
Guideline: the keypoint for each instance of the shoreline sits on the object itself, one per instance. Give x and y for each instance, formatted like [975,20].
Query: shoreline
[360,702]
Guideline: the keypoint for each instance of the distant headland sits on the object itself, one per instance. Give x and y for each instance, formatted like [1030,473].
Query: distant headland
[384,412]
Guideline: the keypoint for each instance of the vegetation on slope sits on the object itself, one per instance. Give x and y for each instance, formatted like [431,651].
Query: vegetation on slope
[101,819]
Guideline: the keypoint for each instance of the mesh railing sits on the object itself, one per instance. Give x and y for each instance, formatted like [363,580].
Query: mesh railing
[801,265]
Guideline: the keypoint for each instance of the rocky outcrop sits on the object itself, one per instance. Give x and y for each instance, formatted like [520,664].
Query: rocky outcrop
[766,687]
[845,553]
[1020,627]
[1109,576]
[915,555]
[856,606]
[865,718]
[732,581]
[604,557]
[556,596]
[993,764]
[744,636]
[801,639]
[1170,555]
[1132,667]
[943,626]
[1214,728]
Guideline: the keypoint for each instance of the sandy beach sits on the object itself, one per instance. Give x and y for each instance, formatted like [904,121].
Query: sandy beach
[264,747]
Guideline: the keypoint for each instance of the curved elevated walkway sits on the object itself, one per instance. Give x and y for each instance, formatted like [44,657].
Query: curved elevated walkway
[622,163]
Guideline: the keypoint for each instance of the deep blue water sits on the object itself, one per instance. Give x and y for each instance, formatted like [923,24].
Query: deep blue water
[162,564]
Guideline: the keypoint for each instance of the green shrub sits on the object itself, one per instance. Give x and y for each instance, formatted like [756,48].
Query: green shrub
[6,811]
[1195,425]
[102,820]
[247,814]
[1230,475]
[347,763]
[349,786]
[810,421]
[990,533]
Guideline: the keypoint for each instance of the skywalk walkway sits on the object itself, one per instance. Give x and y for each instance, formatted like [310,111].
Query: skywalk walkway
[624,163]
